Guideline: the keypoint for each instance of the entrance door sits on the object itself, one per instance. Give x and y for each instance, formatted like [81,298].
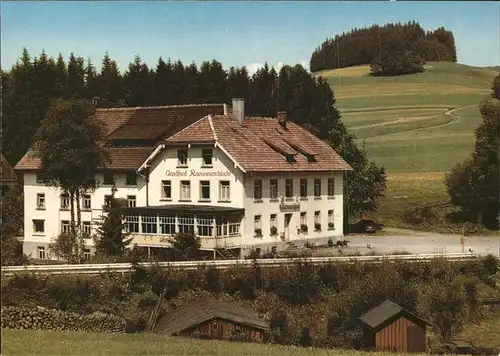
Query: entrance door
[288,218]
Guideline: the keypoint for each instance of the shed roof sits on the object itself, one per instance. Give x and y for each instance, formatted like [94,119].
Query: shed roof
[384,312]
[7,172]
[201,310]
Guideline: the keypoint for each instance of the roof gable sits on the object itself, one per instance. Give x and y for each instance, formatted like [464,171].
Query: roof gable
[192,314]
[7,172]
[200,131]
[387,311]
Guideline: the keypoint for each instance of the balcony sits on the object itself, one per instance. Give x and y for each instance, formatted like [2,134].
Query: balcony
[290,204]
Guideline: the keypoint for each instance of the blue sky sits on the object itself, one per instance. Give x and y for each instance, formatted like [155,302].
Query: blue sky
[235,33]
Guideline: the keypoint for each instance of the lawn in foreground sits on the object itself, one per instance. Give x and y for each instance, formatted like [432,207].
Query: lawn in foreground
[23,342]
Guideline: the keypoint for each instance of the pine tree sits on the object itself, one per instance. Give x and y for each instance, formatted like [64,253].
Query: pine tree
[111,240]
[238,82]
[263,98]
[61,78]
[214,82]
[92,88]
[110,84]
[138,84]
[162,82]
[192,87]
[76,78]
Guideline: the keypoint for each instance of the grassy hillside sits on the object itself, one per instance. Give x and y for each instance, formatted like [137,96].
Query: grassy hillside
[20,343]
[414,123]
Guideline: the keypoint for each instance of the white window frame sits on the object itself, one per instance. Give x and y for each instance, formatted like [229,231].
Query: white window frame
[39,179]
[257,222]
[35,230]
[205,154]
[273,220]
[331,218]
[132,223]
[107,200]
[167,224]
[257,189]
[303,218]
[234,227]
[331,187]
[317,217]
[86,198]
[65,201]
[185,189]
[224,190]
[205,226]
[65,227]
[204,184]
[273,188]
[86,254]
[41,252]
[185,224]
[40,201]
[87,227]
[131,201]
[166,184]
[181,157]
[149,223]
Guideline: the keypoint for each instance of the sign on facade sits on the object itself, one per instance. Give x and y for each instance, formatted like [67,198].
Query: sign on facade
[195,173]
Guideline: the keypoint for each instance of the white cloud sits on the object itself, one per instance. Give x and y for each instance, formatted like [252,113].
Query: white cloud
[254,67]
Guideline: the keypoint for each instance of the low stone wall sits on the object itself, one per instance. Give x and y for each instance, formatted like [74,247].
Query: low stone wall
[52,319]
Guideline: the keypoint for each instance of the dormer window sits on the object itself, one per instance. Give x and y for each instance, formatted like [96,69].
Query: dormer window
[108,178]
[290,158]
[182,157]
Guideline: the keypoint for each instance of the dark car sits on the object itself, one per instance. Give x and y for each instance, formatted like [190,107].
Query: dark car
[368,226]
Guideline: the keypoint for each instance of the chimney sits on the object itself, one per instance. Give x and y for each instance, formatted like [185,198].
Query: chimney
[239,110]
[282,118]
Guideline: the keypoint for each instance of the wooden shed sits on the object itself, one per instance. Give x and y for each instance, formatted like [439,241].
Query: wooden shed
[390,327]
[212,319]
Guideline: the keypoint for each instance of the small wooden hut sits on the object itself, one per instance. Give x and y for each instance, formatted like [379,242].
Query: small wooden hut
[212,319]
[390,327]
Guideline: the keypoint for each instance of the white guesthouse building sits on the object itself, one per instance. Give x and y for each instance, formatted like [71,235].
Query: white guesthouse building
[237,182]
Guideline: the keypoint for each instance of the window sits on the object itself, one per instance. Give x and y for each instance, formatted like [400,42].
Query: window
[317,187]
[330,219]
[257,189]
[108,178]
[207,155]
[205,226]
[131,201]
[132,223]
[65,226]
[39,179]
[257,222]
[39,226]
[224,190]
[289,188]
[166,191]
[186,224]
[107,200]
[234,227]
[331,187]
[65,201]
[204,190]
[317,217]
[40,201]
[87,229]
[86,254]
[182,157]
[272,221]
[185,190]
[87,205]
[303,218]
[131,178]
[273,188]
[41,252]
[303,187]
[149,224]
[167,225]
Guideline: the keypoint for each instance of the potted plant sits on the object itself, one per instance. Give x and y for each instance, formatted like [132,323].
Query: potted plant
[258,232]
[317,226]
[303,228]
[274,230]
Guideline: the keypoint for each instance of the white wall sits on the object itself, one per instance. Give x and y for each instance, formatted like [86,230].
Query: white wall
[266,207]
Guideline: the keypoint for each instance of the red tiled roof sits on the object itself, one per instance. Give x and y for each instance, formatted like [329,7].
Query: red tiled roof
[153,123]
[120,158]
[200,131]
[262,144]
